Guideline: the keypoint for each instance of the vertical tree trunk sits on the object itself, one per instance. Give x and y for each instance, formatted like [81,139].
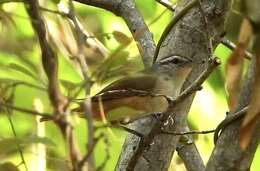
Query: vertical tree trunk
[190,37]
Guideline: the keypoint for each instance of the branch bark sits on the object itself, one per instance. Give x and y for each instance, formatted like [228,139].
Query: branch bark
[227,154]
[50,66]
[190,38]
[188,152]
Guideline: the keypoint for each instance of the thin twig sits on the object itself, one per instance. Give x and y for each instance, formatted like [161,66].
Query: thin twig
[15,84]
[18,145]
[76,94]
[107,157]
[49,58]
[231,118]
[119,126]
[63,14]
[80,39]
[188,132]
[76,24]
[28,111]
[9,116]
[213,63]
[90,150]
[50,66]
[167,5]
[131,131]
[229,44]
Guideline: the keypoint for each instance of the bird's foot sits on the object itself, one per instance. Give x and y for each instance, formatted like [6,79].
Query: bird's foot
[157,116]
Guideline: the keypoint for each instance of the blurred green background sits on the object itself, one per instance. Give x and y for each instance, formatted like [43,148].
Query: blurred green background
[20,63]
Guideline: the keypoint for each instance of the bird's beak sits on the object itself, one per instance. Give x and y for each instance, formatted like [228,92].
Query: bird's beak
[188,63]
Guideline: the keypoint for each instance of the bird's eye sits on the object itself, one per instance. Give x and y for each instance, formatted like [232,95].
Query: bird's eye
[175,61]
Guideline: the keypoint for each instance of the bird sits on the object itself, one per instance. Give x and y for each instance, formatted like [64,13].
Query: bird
[141,93]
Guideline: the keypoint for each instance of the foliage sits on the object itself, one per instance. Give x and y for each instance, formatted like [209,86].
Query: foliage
[110,53]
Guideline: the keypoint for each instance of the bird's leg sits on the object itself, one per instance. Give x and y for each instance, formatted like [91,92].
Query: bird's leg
[157,116]
[119,125]
[131,131]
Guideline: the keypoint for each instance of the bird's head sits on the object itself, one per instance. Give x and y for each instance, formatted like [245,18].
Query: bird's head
[176,61]
[175,64]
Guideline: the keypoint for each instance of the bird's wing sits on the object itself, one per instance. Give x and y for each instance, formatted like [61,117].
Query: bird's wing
[139,81]
[124,104]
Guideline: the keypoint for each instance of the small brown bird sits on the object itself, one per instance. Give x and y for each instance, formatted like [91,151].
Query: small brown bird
[121,100]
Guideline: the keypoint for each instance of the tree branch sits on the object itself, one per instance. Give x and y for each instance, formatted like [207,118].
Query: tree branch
[227,154]
[233,46]
[157,128]
[80,39]
[171,25]
[186,38]
[188,132]
[189,153]
[128,11]
[229,120]
[49,58]
[168,5]
[50,66]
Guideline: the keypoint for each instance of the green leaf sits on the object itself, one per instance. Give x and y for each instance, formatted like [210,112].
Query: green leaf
[35,139]
[8,145]
[115,60]
[119,59]
[23,70]
[25,61]
[121,37]
[56,1]
[68,84]
[59,164]
[7,81]
[6,19]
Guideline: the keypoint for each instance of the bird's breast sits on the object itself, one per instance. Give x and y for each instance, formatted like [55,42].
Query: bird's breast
[167,86]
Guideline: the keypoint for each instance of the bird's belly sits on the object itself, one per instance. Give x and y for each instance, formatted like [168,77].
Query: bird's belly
[130,107]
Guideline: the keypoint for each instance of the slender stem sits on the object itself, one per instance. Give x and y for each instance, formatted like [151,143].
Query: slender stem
[9,113]
[233,46]
[167,5]
[188,132]
[28,111]
[231,118]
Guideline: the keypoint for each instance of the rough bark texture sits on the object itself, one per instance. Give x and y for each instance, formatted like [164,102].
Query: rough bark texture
[189,38]
[227,154]
[189,153]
